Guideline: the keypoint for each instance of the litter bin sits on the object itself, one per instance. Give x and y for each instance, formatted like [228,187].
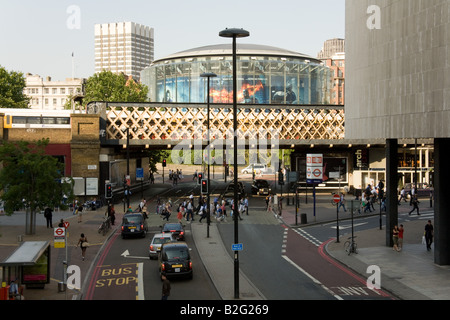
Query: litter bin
[61,286]
[303,219]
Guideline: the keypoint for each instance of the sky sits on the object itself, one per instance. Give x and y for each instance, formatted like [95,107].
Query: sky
[39,37]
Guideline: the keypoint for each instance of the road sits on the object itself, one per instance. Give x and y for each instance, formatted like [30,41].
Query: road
[125,272]
[283,263]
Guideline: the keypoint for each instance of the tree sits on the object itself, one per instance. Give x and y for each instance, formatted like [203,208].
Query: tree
[11,89]
[31,179]
[108,86]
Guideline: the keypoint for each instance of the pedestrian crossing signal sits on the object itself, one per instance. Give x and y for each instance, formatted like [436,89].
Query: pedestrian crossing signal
[204,186]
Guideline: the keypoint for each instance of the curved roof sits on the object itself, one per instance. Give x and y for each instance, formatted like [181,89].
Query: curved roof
[241,49]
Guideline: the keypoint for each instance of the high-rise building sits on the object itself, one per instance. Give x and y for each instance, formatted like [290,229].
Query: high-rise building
[337,65]
[123,47]
[331,47]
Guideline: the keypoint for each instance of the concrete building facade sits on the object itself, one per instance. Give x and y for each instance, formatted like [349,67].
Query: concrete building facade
[398,86]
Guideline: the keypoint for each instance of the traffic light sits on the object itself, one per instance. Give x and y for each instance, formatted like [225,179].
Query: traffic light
[108,191]
[280,178]
[200,176]
[204,186]
[164,163]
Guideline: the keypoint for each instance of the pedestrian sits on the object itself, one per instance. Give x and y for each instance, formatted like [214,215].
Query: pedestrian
[112,214]
[83,243]
[246,205]
[342,202]
[395,238]
[165,288]
[203,212]
[429,233]
[415,203]
[61,223]
[48,214]
[402,196]
[401,230]
[79,212]
[180,213]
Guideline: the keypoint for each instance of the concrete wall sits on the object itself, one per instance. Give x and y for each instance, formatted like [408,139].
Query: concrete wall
[397,69]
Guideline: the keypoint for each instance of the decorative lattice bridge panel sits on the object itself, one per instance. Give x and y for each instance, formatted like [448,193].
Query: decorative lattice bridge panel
[165,123]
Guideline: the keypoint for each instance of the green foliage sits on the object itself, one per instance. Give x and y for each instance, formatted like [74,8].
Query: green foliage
[108,86]
[29,178]
[11,89]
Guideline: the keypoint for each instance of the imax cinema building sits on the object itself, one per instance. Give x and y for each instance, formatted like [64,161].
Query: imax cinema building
[291,91]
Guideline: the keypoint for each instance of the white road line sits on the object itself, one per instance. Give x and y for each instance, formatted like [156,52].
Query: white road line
[140,288]
[312,278]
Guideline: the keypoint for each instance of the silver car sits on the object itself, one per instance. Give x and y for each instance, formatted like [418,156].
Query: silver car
[158,240]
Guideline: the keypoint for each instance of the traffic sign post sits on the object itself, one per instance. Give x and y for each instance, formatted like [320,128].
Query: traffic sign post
[59,237]
[336,199]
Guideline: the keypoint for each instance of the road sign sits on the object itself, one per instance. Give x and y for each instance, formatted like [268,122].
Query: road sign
[336,198]
[237,247]
[60,237]
[314,168]
[66,224]
[139,174]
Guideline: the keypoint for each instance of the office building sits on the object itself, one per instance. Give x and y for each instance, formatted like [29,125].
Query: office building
[123,47]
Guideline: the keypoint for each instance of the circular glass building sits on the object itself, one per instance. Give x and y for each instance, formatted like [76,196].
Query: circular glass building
[265,75]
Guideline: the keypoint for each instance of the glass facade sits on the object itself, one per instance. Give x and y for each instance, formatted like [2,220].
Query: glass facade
[261,79]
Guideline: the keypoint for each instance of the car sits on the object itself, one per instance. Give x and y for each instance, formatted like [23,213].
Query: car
[258,167]
[134,224]
[261,187]
[158,240]
[175,229]
[423,189]
[175,260]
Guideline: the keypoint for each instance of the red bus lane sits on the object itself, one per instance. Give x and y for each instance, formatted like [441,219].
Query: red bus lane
[341,282]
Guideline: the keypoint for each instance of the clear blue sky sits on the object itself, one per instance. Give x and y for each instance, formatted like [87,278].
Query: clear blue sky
[35,38]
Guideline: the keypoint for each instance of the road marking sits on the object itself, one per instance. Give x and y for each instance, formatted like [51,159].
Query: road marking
[126,254]
[348,226]
[140,284]
[312,278]
[308,237]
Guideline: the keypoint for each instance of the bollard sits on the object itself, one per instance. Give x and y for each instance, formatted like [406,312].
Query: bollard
[61,286]
[20,238]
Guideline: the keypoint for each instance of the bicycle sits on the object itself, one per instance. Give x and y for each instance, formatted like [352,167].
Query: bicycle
[105,226]
[350,246]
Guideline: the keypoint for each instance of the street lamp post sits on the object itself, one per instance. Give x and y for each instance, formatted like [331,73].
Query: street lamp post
[208,201]
[235,33]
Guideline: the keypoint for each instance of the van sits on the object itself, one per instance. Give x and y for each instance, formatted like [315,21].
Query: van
[258,167]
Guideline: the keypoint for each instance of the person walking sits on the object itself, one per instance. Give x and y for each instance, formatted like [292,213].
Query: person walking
[342,203]
[83,243]
[80,212]
[429,233]
[401,230]
[395,238]
[402,196]
[415,203]
[165,288]
[48,214]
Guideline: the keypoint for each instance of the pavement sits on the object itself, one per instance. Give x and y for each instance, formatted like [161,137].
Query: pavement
[409,275]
